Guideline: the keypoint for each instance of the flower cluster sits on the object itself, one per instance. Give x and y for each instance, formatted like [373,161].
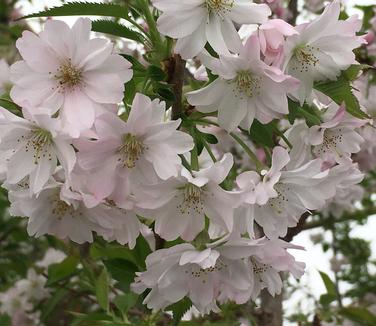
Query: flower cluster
[76,166]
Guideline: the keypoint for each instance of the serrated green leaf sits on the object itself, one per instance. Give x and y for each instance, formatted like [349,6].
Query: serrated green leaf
[156,73]
[329,285]
[179,309]
[63,270]
[116,29]
[305,112]
[101,289]
[83,9]
[340,91]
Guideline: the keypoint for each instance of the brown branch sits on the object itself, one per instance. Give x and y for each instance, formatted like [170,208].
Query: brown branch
[293,8]
[176,71]
[292,232]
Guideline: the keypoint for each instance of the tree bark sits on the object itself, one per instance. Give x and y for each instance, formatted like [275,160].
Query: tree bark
[271,309]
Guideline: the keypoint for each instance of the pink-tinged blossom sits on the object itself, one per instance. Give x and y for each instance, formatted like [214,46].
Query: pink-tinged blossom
[63,69]
[348,190]
[234,271]
[336,138]
[140,150]
[196,22]
[5,83]
[277,199]
[60,212]
[246,88]
[272,39]
[266,259]
[179,205]
[322,49]
[33,146]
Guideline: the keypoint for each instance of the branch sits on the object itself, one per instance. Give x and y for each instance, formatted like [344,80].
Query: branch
[293,8]
[292,232]
[176,71]
[354,216]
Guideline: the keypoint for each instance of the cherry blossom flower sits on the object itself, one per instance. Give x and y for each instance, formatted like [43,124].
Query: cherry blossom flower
[33,146]
[348,191]
[62,213]
[5,83]
[196,22]
[180,204]
[322,49]
[246,88]
[227,272]
[63,69]
[335,139]
[143,149]
[280,197]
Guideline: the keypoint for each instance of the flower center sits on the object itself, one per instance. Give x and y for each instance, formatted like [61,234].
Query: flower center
[330,143]
[278,204]
[219,7]
[39,142]
[247,84]
[259,268]
[68,76]
[131,151]
[192,199]
[305,57]
[203,274]
[61,208]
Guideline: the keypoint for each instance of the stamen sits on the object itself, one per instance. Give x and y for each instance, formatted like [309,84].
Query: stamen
[305,57]
[39,141]
[192,199]
[68,76]
[131,151]
[247,84]
[219,7]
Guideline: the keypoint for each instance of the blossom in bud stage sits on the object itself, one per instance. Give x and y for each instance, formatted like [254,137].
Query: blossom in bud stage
[195,22]
[143,149]
[234,271]
[5,83]
[63,69]
[322,49]
[272,39]
[180,204]
[279,197]
[246,88]
[33,146]
[60,212]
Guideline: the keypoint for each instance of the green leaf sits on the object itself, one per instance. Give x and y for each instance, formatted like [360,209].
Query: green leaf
[156,73]
[125,301]
[9,105]
[136,65]
[122,271]
[305,112]
[330,286]
[360,315]
[340,91]
[352,72]
[101,289]
[179,309]
[116,29]
[63,270]
[262,134]
[327,298]
[83,9]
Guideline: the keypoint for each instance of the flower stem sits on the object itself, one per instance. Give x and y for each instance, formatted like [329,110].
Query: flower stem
[251,155]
